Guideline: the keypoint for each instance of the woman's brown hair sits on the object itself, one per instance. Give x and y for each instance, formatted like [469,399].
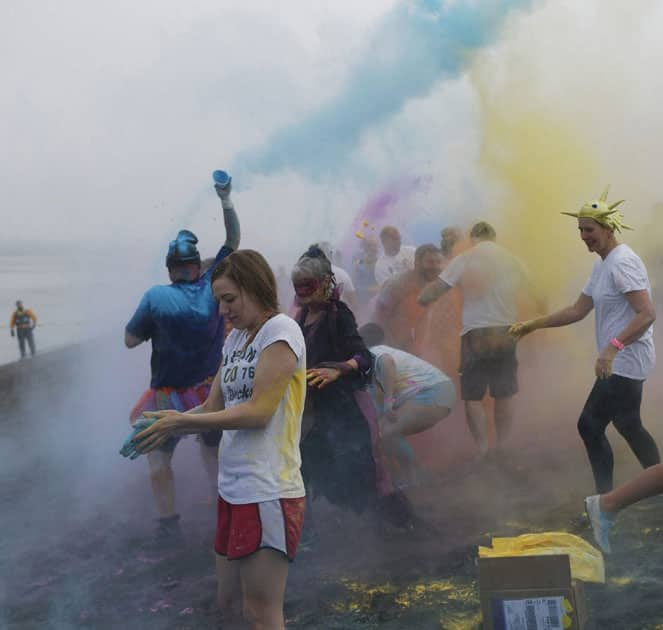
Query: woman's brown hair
[252,274]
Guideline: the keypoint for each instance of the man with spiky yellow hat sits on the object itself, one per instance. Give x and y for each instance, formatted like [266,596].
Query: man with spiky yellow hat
[619,292]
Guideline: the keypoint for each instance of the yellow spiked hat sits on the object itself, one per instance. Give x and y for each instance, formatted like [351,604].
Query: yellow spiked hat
[602,212]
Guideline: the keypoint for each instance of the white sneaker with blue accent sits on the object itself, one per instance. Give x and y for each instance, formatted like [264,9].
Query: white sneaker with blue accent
[601,522]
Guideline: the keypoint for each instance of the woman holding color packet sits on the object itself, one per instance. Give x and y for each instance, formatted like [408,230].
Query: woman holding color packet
[257,399]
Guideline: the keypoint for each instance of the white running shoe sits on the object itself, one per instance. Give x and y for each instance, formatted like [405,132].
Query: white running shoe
[601,522]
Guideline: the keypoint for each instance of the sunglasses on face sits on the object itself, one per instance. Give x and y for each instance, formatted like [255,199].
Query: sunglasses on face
[306,288]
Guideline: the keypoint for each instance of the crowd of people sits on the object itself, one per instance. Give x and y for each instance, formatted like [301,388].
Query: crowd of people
[291,407]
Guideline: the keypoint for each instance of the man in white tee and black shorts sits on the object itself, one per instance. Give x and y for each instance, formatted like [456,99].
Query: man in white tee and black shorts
[490,278]
[619,292]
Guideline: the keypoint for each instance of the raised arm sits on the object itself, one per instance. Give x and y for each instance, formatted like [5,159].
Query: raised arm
[230,219]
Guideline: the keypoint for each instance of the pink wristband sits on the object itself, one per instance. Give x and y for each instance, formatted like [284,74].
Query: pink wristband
[617,344]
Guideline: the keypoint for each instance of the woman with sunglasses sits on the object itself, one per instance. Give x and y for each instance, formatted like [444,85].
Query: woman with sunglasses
[340,459]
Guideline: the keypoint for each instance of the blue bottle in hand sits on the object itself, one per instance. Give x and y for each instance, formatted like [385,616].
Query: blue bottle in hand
[221,178]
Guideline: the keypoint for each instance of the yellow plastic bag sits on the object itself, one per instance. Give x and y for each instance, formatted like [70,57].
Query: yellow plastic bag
[586,561]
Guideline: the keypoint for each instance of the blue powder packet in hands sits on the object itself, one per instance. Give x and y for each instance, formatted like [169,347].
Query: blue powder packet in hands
[129,447]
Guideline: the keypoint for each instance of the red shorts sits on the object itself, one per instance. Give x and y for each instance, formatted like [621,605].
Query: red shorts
[244,529]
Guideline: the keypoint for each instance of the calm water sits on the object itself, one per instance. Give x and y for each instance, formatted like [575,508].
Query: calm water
[74,299]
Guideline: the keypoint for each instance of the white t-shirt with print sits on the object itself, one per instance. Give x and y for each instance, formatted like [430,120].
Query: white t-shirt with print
[621,272]
[388,266]
[412,373]
[258,465]
[490,278]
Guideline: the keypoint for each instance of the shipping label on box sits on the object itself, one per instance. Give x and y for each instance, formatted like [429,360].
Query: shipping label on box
[542,613]
[530,593]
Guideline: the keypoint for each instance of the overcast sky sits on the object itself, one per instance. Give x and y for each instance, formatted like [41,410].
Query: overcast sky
[114,113]
[113,110]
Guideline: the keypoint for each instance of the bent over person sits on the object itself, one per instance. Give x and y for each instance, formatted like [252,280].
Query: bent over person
[182,320]
[618,290]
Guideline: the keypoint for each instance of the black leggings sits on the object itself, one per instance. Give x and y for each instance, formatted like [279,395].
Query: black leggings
[614,399]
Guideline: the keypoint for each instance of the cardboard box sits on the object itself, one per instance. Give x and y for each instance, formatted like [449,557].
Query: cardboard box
[530,593]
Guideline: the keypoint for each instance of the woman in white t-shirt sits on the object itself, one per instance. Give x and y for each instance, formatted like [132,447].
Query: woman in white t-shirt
[412,395]
[257,398]
[619,292]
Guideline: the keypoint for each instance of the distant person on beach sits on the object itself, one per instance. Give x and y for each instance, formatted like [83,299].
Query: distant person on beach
[395,258]
[257,400]
[619,292]
[21,325]
[182,320]
[490,279]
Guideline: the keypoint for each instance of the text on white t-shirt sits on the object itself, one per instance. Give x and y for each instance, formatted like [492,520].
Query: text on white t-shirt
[262,464]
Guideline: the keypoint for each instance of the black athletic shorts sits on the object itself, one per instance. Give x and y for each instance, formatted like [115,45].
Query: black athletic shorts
[488,360]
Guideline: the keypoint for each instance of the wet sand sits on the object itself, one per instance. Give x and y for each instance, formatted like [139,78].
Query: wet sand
[77,550]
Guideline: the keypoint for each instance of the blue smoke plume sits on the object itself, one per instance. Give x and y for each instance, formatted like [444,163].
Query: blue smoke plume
[417,44]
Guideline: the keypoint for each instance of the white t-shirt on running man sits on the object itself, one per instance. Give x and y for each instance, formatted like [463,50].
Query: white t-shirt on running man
[257,465]
[621,272]
[490,278]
